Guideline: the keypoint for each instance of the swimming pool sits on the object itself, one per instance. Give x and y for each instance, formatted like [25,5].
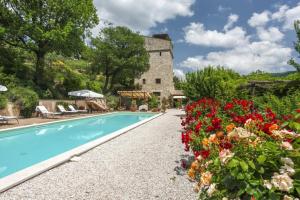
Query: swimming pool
[22,148]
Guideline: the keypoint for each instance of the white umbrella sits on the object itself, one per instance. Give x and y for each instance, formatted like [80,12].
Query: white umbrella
[85,93]
[3,88]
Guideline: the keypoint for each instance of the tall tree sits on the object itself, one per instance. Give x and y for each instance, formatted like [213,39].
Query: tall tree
[297,45]
[119,54]
[41,27]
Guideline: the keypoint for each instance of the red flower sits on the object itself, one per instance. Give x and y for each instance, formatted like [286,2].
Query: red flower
[298,110]
[225,145]
[197,127]
[266,128]
[228,106]
[270,114]
[209,129]
[204,153]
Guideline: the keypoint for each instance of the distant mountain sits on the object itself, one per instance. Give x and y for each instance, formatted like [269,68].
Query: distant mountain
[282,74]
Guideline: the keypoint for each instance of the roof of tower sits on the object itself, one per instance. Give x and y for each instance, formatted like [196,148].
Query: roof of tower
[163,36]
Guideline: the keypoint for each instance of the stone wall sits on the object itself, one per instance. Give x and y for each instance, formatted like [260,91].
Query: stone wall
[161,67]
[50,104]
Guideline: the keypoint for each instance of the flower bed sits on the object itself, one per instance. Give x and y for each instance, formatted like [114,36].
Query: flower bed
[240,152]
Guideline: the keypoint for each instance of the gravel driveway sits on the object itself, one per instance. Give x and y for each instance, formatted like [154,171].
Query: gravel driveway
[143,163]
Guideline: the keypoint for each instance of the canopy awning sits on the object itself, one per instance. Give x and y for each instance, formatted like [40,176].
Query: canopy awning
[135,94]
[3,88]
[179,97]
[85,93]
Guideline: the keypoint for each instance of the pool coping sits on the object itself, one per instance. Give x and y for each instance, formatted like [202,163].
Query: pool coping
[69,119]
[36,169]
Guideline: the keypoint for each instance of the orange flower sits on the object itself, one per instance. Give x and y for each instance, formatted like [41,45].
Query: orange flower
[191,173]
[213,138]
[195,165]
[205,142]
[206,178]
[230,127]
[220,134]
[273,127]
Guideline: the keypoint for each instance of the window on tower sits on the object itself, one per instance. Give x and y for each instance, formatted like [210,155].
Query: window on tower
[158,81]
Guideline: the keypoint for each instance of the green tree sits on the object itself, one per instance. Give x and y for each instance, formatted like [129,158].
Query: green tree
[177,83]
[212,82]
[297,45]
[119,54]
[46,26]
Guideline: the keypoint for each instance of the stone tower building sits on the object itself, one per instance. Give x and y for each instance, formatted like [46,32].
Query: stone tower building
[158,80]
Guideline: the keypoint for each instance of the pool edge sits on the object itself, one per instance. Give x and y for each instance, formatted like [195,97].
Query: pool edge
[21,176]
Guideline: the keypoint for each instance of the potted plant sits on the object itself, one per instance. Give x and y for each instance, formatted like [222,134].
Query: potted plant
[133,106]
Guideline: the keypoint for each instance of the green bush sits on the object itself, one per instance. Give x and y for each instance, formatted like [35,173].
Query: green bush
[25,98]
[112,102]
[153,102]
[3,102]
[282,106]
[212,82]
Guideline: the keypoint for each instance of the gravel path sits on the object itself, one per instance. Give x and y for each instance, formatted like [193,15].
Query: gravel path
[143,163]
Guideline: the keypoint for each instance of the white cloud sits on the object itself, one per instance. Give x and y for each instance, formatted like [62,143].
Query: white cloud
[259,19]
[244,53]
[287,15]
[271,34]
[263,55]
[143,14]
[196,34]
[179,73]
[231,20]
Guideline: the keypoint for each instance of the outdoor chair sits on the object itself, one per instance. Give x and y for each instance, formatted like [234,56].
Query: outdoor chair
[64,111]
[143,107]
[45,113]
[71,107]
[7,118]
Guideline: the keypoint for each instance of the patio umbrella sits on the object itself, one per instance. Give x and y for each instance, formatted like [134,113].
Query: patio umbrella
[85,93]
[3,88]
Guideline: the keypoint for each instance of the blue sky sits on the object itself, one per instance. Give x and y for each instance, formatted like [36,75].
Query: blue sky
[244,35]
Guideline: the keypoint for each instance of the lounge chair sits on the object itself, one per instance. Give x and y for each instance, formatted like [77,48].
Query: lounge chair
[71,107]
[64,111]
[45,113]
[96,106]
[7,118]
[143,107]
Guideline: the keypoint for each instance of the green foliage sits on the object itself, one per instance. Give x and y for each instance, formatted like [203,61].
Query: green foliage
[3,101]
[153,102]
[282,106]
[119,54]
[46,26]
[212,82]
[26,99]
[112,101]
[297,45]
[164,103]
[178,84]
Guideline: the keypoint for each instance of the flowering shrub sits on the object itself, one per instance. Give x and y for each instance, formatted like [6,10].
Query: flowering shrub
[241,153]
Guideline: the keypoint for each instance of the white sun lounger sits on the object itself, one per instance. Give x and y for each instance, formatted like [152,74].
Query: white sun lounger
[64,111]
[143,107]
[45,113]
[71,107]
[7,118]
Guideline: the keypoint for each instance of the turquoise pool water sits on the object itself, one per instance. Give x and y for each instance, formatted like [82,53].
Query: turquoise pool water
[24,147]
